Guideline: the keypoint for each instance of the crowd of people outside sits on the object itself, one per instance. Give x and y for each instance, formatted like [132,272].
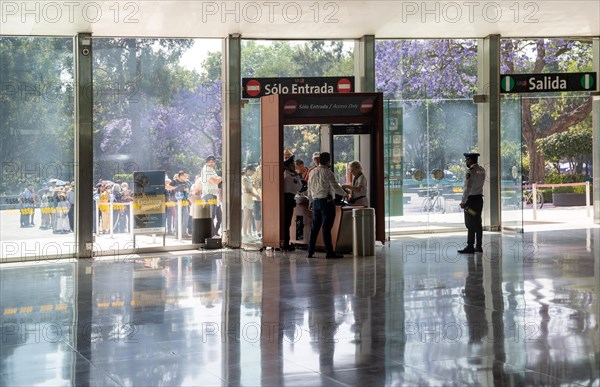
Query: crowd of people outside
[118,194]
[180,191]
[56,201]
[252,203]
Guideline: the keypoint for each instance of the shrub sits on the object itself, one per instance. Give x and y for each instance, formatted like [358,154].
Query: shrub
[555,178]
[547,193]
[127,177]
[562,190]
[571,189]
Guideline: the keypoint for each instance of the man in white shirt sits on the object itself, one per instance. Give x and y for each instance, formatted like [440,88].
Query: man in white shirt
[322,188]
[210,188]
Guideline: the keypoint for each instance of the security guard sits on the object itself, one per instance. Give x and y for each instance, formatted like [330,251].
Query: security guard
[292,184]
[472,203]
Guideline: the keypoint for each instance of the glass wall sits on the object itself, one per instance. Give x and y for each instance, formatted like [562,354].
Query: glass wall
[260,59]
[546,137]
[431,121]
[36,148]
[157,129]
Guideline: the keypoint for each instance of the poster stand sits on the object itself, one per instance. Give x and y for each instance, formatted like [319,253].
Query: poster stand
[149,211]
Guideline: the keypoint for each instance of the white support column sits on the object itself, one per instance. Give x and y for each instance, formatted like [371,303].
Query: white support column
[596,130]
[488,127]
[232,142]
[364,75]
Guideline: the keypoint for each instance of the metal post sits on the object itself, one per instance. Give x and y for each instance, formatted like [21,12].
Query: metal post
[84,109]
[534,193]
[588,210]
[98,224]
[131,220]
[111,218]
[179,223]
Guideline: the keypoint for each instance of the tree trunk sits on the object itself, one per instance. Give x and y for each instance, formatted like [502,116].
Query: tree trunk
[537,166]
[566,119]
[139,150]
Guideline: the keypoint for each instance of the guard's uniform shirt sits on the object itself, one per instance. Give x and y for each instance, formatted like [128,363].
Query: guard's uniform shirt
[474,181]
[322,184]
[291,182]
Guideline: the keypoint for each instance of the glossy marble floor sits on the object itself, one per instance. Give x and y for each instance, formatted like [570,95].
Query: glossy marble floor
[525,312]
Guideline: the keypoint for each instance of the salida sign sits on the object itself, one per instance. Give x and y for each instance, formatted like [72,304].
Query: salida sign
[259,87]
[535,83]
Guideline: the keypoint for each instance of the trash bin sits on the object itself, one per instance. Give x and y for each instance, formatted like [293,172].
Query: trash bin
[201,223]
[363,231]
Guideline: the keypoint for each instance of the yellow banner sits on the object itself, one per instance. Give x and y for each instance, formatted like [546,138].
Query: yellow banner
[149,204]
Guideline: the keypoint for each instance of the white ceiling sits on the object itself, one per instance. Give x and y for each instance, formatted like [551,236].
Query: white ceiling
[298,19]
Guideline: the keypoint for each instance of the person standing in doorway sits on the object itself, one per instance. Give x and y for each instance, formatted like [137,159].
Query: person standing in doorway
[181,193]
[315,165]
[210,188]
[257,205]
[292,184]
[71,200]
[472,204]
[247,202]
[26,198]
[301,168]
[322,188]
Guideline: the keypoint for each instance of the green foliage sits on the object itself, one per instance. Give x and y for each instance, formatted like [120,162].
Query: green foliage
[573,146]
[510,153]
[525,163]
[458,170]
[188,162]
[556,178]
[562,190]
[36,110]
[547,193]
[302,141]
[339,169]
[124,177]
[288,59]
[291,59]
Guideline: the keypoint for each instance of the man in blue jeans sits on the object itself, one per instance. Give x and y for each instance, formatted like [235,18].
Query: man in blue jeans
[322,188]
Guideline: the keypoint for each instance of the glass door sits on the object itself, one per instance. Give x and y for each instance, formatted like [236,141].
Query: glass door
[37,189]
[425,142]
[511,164]
[157,142]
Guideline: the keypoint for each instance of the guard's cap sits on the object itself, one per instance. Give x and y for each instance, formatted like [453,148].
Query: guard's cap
[471,155]
[288,161]
[316,154]
[210,158]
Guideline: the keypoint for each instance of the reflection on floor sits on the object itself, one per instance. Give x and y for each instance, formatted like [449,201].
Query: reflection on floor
[525,312]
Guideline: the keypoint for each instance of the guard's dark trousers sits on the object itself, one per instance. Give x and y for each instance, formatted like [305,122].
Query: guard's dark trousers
[473,222]
[289,202]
